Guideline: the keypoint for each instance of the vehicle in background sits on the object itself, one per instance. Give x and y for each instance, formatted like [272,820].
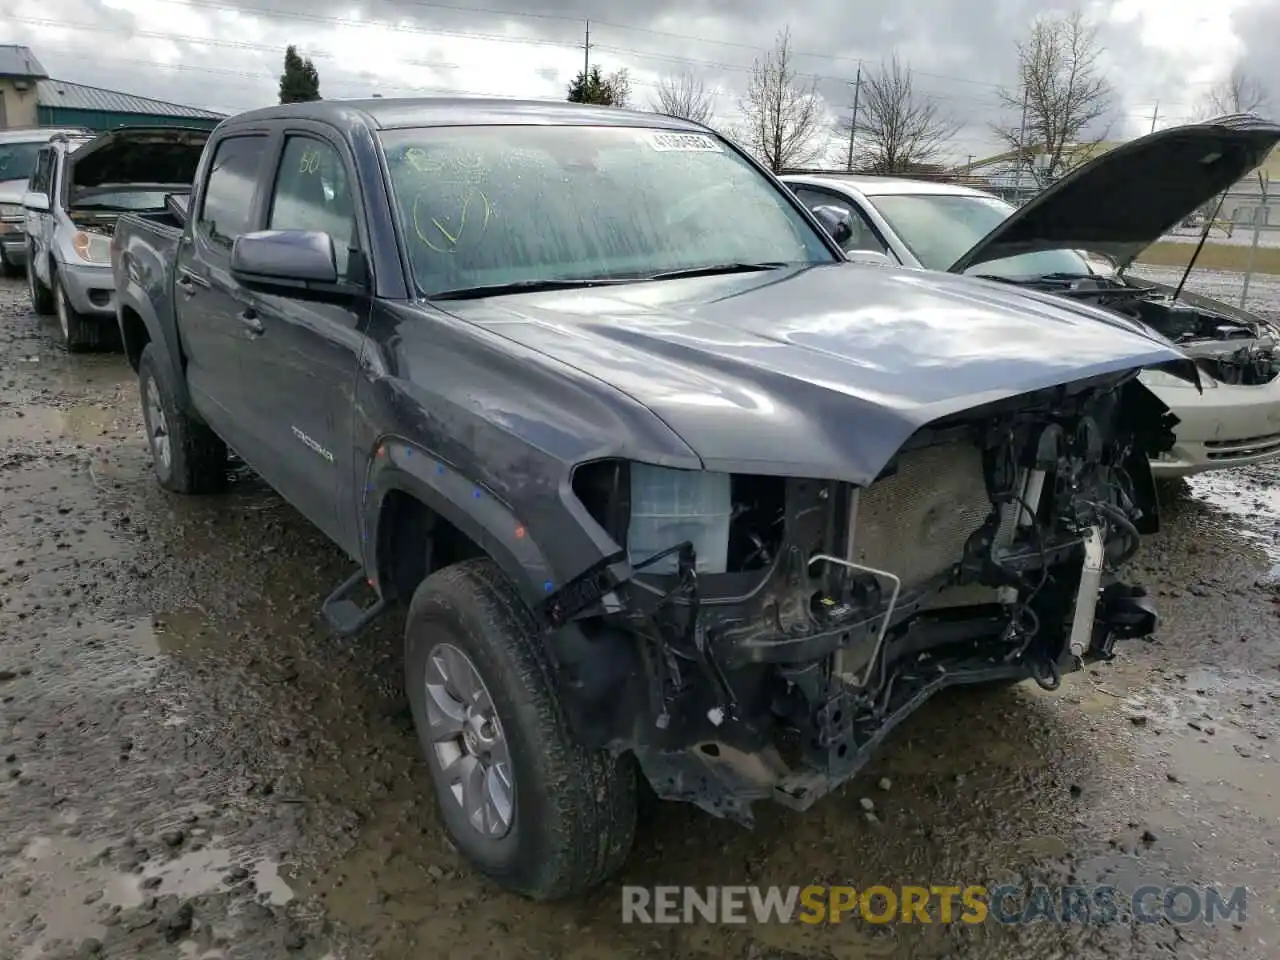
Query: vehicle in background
[19,148]
[1114,207]
[668,484]
[78,187]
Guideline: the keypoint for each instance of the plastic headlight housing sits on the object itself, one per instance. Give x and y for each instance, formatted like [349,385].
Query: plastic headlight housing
[1167,381]
[10,211]
[92,247]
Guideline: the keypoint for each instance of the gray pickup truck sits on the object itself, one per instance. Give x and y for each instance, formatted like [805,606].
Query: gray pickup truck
[670,487]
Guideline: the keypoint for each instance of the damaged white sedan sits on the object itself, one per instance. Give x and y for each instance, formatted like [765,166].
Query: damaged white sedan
[1114,207]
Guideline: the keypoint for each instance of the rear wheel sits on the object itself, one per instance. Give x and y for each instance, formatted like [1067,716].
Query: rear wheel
[187,456]
[41,296]
[81,334]
[529,807]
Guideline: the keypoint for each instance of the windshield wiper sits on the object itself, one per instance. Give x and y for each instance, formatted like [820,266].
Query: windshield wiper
[522,286]
[715,268]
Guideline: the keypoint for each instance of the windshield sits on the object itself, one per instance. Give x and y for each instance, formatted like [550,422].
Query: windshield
[939,228]
[17,160]
[490,205]
[124,200]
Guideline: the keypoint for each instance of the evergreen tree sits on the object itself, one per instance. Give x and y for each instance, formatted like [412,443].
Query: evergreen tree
[594,87]
[300,81]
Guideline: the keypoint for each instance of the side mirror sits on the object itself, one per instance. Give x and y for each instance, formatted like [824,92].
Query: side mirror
[287,258]
[34,200]
[873,258]
[836,221]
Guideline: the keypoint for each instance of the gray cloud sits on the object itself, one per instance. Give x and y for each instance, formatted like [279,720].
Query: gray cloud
[1261,23]
[960,53]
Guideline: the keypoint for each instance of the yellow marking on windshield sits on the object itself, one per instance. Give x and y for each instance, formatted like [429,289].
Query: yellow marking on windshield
[446,239]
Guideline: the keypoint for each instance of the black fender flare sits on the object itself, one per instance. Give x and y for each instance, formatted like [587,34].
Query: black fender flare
[163,335]
[472,508]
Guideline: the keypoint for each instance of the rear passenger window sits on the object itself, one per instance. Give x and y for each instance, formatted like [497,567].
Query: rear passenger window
[228,196]
[312,192]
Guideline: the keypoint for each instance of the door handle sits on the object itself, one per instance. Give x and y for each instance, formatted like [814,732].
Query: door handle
[186,286]
[249,318]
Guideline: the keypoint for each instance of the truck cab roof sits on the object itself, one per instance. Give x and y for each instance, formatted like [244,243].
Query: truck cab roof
[391,114]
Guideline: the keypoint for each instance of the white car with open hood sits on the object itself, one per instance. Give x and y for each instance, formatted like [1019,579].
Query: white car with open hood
[1114,207]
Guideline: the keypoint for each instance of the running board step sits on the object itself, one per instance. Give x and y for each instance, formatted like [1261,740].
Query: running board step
[346,618]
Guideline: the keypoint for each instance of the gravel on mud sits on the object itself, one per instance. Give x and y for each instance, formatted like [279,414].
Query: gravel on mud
[191,766]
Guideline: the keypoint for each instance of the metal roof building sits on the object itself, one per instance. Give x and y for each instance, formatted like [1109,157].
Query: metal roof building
[61,103]
[29,96]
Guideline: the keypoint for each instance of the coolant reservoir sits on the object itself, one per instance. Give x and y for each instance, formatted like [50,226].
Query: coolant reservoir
[670,506]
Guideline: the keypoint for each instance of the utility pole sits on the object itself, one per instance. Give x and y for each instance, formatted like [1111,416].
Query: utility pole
[1022,145]
[586,51]
[853,121]
[1155,113]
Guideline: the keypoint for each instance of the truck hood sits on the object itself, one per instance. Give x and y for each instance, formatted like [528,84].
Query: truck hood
[12,191]
[160,156]
[1120,203]
[823,372]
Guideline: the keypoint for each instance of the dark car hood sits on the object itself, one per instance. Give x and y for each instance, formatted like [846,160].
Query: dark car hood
[137,155]
[822,372]
[1120,203]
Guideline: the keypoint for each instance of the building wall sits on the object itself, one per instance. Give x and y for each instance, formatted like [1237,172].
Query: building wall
[102,120]
[17,107]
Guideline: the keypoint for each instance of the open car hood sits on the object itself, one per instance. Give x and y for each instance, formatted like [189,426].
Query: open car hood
[161,156]
[1120,203]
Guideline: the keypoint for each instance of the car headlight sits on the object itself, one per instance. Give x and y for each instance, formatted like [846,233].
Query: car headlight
[92,247]
[1162,380]
[10,211]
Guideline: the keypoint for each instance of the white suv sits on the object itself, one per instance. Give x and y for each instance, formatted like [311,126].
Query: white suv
[19,148]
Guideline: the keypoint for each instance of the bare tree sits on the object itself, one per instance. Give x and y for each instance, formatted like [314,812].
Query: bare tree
[1241,92]
[784,123]
[1063,94]
[900,128]
[684,95]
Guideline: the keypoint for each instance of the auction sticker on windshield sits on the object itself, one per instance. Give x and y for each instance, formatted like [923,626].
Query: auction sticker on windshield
[689,142]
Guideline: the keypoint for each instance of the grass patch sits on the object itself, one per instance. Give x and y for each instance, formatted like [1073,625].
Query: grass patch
[1214,256]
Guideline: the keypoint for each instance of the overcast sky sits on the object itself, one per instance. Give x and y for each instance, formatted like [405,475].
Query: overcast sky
[226,54]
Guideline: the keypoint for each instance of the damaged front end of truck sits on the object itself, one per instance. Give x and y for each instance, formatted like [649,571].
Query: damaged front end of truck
[791,623]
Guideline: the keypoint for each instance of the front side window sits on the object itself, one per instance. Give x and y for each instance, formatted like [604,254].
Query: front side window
[18,160]
[228,196]
[939,228]
[863,236]
[39,182]
[312,192]
[506,204]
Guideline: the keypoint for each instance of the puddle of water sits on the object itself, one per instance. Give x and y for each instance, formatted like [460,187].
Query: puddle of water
[202,871]
[74,888]
[83,422]
[1248,494]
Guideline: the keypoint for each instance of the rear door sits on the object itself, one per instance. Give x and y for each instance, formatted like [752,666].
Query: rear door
[307,349]
[207,300]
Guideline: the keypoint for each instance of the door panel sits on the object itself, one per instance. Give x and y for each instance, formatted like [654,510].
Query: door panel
[308,349]
[206,298]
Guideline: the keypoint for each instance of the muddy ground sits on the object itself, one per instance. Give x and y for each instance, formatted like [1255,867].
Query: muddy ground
[190,766]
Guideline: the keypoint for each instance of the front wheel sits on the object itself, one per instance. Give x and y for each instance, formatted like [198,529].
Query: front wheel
[81,334]
[533,810]
[8,269]
[41,296]
[187,456]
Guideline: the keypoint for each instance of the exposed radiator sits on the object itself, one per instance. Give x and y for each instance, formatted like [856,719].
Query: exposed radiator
[916,523]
